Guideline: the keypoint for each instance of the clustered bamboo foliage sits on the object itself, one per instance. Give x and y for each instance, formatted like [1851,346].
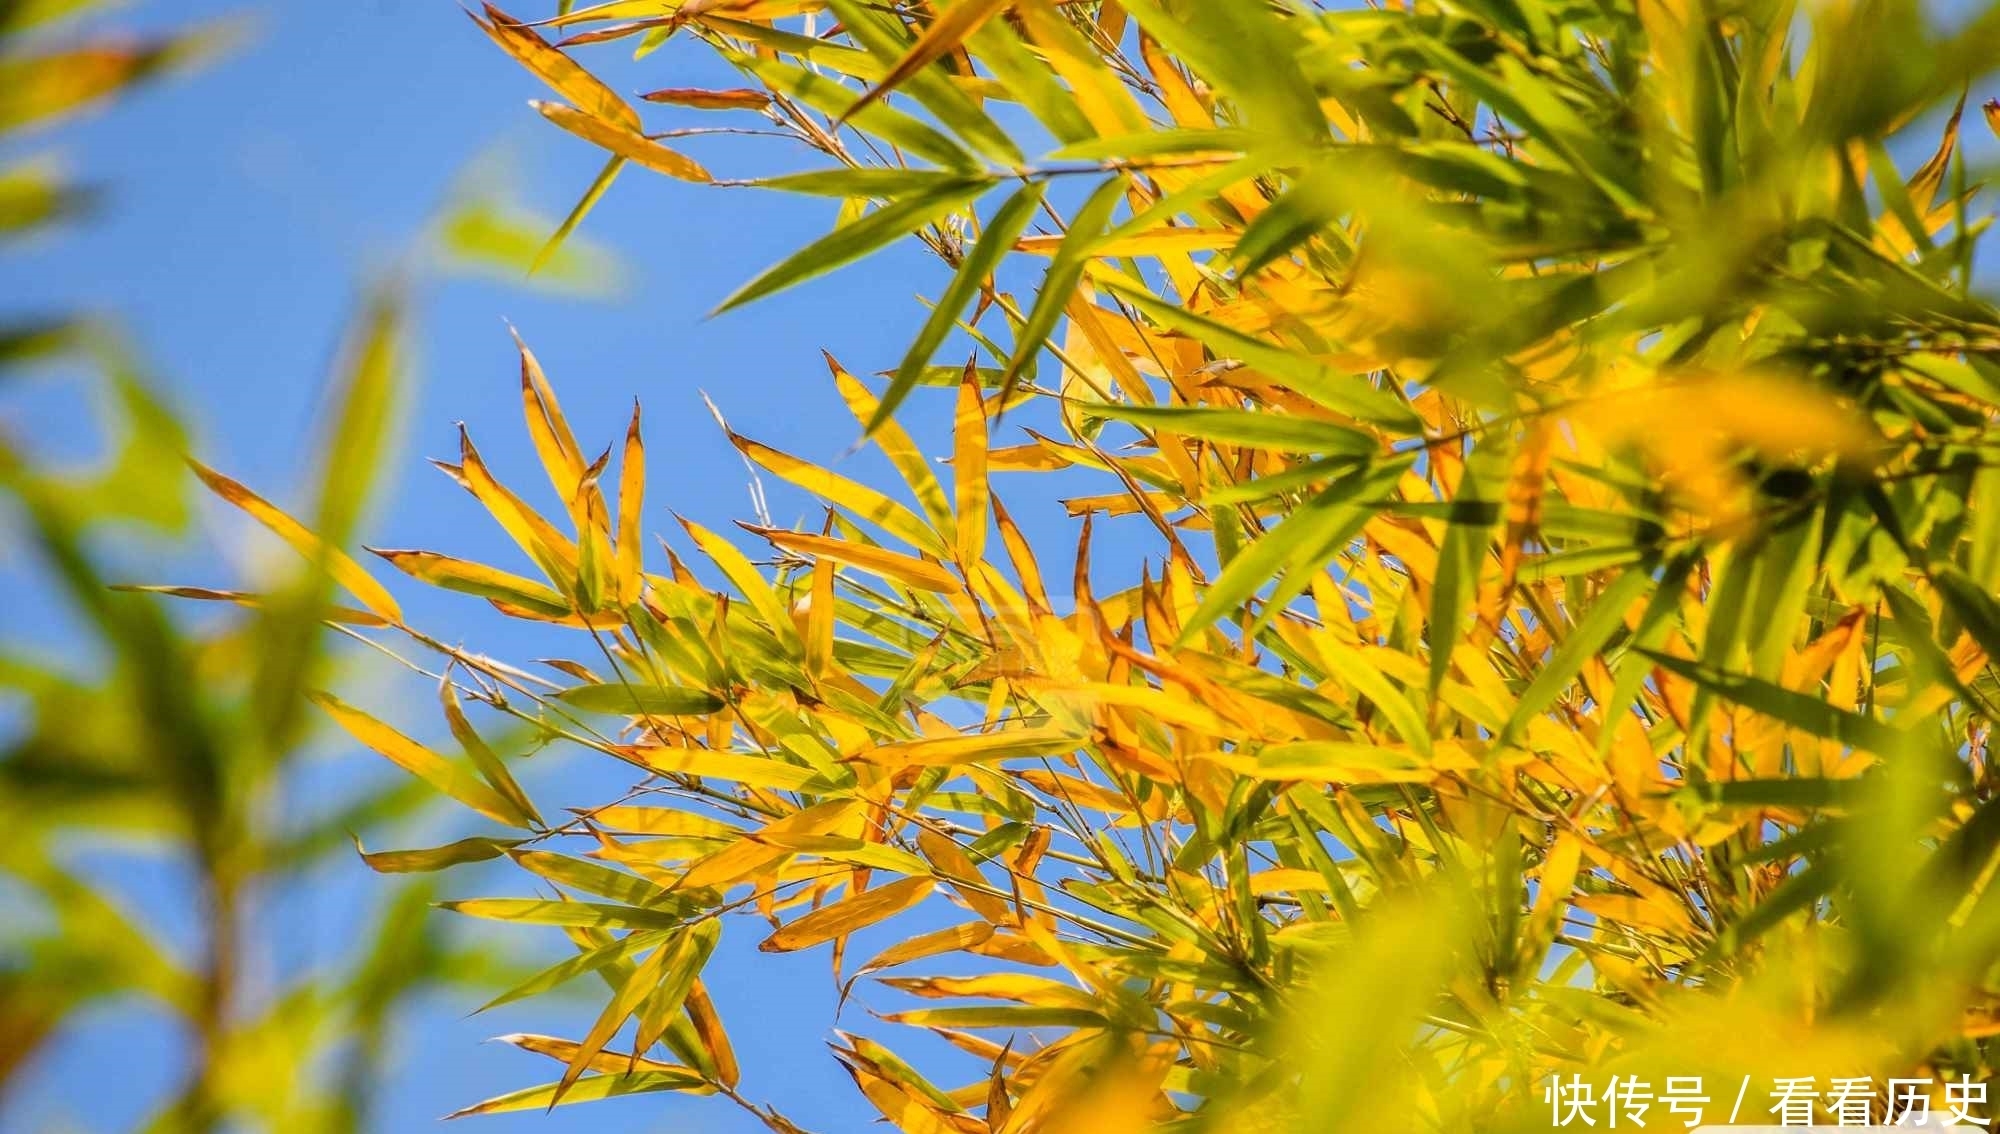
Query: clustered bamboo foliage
[1560,639]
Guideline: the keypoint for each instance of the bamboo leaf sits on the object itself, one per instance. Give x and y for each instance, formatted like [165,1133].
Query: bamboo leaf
[475,849]
[850,242]
[1005,744]
[591,915]
[339,564]
[558,70]
[590,1088]
[1065,272]
[477,579]
[1808,714]
[628,144]
[858,911]
[994,242]
[421,762]
[629,700]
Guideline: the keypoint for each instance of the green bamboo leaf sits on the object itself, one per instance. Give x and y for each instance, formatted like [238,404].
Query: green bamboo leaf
[1474,511]
[1310,209]
[589,1088]
[1584,641]
[1809,792]
[852,241]
[893,126]
[1348,393]
[1282,432]
[1970,605]
[630,700]
[1307,539]
[992,247]
[477,849]
[887,39]
[599,186]
[1392,703]
[1799,892]
[1249,51]
[854,852]
[945,34]
[591,877]
[588,961]
[1806,713]
[862,181]
[1065,272]
[1028,79]
[624,1002]
[688,951]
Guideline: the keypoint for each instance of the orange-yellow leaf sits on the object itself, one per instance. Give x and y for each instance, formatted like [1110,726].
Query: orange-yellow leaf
[631,509]
[908,569]
[738,98]
[852,913]
[343,569]
[946,751]
[628,144]
[969,470]
[421,762]
[559,71]
[943,36]
[477,579]
[951,939]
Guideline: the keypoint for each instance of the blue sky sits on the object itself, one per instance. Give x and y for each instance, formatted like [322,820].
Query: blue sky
[248,204]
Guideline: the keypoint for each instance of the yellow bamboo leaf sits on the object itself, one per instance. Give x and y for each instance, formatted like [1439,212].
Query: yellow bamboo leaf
[748,855]
[957,867]
[969,472]
[477,579]
[1104,100]
[714,1040]
[631,513]
[628,144]
[549,548]
[895,443]
[738,98]
[1021,988]
[342,567]
[919,573]
[1335,761]
[821,618]
[346,615]
[852,913]
[634,820]
[858,498]
[1076,703]
[754,771]
[941,37]
[421,762]
[1005,744]
[1288,880]
[1663,915]
[626,1001]
[1158,242]
[937,942]
[607,1062]
[558,70]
